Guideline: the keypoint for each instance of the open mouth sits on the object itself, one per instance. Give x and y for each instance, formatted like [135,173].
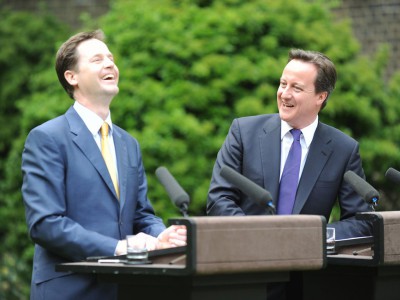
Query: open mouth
[109,77]
[287,104]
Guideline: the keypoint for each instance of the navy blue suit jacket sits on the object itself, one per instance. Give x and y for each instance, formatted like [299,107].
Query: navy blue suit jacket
[72,211]
[253,148]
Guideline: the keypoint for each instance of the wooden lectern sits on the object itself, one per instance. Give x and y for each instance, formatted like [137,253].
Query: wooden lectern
[225,258]
[365,268]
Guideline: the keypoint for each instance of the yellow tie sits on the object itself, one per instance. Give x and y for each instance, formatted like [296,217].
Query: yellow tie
[105,151]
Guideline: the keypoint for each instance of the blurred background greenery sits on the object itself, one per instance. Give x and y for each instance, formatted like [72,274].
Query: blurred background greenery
[187,69]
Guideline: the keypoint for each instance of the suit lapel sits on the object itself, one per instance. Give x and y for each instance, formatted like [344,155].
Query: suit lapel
[85,142]
[318,155]
[122,163]
[271,155]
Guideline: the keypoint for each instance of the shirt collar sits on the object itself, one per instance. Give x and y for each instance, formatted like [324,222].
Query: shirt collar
[308,132]
[92,121]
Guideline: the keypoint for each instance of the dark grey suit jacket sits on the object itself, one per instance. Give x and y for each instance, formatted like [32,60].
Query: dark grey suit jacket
[253,148]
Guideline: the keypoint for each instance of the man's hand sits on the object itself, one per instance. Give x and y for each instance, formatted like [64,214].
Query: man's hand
[144,240]
[173,236]
[121,248]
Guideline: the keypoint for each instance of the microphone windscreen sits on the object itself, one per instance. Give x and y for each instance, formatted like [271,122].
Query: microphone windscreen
[175,192]
[393,175]
[254,191]
[363,188]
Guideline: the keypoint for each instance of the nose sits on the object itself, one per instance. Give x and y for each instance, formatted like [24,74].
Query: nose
[108,62]
[284,92]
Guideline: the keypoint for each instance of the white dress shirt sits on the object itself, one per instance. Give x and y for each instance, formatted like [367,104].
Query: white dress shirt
[307,135]
[93,122]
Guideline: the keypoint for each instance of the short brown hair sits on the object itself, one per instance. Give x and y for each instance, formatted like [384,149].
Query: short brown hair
[326,71]
[67,58]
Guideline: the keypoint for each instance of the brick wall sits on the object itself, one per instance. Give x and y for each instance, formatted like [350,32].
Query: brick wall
[68,11]
[375,22]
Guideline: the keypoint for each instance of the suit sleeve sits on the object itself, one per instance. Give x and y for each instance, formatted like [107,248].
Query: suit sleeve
[145,219]
[44,195]
[351,203]
[224,198]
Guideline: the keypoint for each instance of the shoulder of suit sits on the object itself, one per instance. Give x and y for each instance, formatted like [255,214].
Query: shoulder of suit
[124,134]
[328,130]
[120,130]
[258,119]
[265,122]
[51,125]
[255,125]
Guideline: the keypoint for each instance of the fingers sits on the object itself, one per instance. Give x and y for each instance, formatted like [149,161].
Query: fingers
[143,240]
[121,248]
[177,243]
[182,231]
[178,237]
[181,235]
[173,236]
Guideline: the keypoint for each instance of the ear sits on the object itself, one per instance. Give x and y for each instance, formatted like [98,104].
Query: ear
[70,76]
[322,97]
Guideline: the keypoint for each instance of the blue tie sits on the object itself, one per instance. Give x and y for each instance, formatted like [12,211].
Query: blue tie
[290,176]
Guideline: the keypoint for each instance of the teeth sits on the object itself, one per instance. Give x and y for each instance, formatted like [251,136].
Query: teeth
[108,76]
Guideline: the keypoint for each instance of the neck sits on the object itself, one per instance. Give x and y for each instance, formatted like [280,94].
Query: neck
[100,108]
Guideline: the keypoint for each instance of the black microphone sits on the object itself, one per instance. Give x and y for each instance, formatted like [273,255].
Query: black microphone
[175,192]
[363,188]
[261,196]
[393,175]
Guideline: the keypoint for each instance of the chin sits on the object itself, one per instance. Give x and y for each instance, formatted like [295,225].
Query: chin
[113,91]
[284,116]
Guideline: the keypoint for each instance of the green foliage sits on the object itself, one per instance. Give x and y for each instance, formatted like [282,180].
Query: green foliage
[24,39]
[28,44]
[187,69]
[13,284]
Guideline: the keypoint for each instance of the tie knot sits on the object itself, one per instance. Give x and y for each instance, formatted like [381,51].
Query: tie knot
[296,134]
[104,129]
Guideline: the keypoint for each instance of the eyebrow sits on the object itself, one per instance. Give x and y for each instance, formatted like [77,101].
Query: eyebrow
[294,84]
[101,55]
[299,84]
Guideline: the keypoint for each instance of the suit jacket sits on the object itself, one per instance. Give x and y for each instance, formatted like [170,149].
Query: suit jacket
[72,210]
[253,148]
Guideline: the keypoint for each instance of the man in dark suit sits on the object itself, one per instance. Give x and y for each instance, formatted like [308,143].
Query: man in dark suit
[76,205]
[258,146]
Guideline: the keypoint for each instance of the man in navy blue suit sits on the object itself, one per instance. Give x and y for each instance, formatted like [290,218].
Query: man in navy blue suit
[73,208]
[258,146]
